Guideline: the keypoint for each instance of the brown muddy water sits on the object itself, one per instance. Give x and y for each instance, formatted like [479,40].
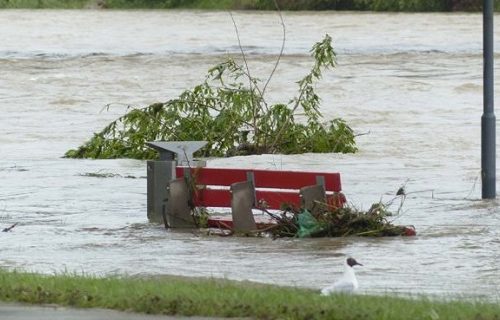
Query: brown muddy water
[411,81]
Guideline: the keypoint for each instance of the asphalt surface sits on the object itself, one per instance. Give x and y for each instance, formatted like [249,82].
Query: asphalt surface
[13,311]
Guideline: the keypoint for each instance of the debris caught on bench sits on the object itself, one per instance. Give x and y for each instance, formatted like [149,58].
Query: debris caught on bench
[339,222]
[329,222]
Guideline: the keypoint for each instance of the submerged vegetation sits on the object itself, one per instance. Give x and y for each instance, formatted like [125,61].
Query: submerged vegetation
[365,5]
[169,295]
[229,110]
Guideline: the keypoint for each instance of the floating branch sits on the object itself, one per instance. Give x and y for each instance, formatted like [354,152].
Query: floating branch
[9,228]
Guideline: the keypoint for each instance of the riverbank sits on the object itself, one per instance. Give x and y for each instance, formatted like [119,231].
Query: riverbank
[171,295]
[361,5]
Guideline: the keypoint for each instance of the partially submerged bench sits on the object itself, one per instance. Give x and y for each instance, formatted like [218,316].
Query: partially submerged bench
[177,183]
[243,190]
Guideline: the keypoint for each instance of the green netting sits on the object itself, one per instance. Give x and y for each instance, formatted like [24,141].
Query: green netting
[308,224]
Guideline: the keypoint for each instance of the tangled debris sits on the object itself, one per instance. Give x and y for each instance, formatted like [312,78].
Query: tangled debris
[337,222]
[328,221]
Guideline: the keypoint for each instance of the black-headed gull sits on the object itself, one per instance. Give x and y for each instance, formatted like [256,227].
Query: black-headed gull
[345,284]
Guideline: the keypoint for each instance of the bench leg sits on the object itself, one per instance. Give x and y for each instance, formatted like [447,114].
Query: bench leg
[242,202]
[312,197]
[178,211]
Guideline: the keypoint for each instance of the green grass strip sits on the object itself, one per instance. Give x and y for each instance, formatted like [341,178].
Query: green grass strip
[171,295]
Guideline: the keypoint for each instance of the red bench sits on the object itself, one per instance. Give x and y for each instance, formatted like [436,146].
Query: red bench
[271,189]
[275,188]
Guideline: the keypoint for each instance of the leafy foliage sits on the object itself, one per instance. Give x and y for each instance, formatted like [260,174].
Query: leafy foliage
[229,111]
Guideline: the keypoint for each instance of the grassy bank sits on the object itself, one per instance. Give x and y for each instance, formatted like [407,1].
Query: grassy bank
[223,298]
[365,5]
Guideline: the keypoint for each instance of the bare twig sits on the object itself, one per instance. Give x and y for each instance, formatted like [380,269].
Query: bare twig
[108,105]
[249,76]
[362,134]
[281,50]
[243,55]
[473,187]
[222,226]
[278,218]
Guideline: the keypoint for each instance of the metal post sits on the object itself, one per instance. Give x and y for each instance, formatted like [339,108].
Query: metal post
[488,122]
[161,172]
[159,175]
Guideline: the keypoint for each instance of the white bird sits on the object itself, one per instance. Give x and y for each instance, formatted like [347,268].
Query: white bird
[345,284]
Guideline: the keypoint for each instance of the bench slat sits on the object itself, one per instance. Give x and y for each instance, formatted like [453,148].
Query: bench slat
[222,198]
[263,178]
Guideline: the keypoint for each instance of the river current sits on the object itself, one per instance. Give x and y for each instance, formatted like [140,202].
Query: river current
[409,84]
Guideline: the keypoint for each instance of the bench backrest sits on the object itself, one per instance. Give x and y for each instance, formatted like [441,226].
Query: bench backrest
[272,187]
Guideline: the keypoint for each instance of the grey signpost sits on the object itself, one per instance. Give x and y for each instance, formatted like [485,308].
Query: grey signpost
[488,122]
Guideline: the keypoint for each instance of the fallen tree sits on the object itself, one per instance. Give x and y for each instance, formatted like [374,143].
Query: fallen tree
[229,110]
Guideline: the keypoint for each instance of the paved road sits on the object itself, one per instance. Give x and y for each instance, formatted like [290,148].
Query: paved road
[11,311]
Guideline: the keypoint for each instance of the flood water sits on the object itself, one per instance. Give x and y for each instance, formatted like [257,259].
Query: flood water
[410,84]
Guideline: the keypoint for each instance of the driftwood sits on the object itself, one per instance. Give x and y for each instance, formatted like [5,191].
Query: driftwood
[9,228]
